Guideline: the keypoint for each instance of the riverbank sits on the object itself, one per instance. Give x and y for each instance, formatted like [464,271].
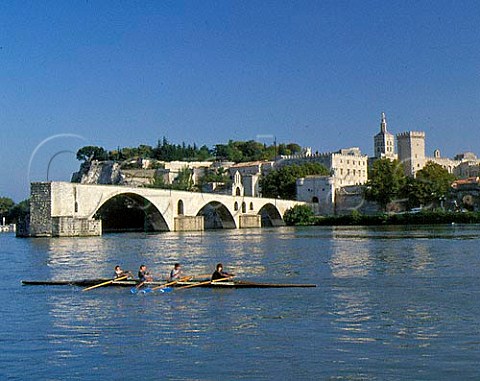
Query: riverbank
[422,218]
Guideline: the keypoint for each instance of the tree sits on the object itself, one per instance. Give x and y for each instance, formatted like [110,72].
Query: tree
[184,180]
[432,184]
[5,205]
[19,211]
[282,183]
[386,182]
[299,215]
[92,153]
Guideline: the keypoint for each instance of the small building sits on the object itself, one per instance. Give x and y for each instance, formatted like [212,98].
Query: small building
[319,191]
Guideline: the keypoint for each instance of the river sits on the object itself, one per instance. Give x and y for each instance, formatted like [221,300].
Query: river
[391,303]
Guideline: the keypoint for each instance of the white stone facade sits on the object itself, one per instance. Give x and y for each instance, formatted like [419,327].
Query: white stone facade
[348,166]
[319,191]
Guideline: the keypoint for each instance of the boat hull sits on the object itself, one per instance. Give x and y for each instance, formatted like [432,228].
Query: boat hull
[132,283]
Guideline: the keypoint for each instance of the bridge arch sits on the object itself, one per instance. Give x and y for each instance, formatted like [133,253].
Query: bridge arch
[130,212]
[271,216]
[217,216]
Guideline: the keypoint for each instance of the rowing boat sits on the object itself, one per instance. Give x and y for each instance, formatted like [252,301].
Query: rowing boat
[133,283]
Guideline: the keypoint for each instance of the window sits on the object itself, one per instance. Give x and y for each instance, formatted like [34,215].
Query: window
[251,206]
[235,206]
[180,208]
[244,207]
[315,200]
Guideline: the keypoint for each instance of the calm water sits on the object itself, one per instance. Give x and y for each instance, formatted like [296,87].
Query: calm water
[391,303]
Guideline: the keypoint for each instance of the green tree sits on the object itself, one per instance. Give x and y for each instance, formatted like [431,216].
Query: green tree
[432,184]
[386,182]
[5,205]
[159,182]
[93,153]
[282,183]
[184,180]
[299,215]
[19,211]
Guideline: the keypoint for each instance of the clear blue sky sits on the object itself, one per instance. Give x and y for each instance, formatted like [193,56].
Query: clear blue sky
[122,73]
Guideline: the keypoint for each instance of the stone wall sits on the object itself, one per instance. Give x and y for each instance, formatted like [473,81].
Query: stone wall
[75,227]
[40,210]
[349,199]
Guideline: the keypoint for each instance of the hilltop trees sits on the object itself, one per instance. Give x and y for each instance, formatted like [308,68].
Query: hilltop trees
[92,153]
[236,151]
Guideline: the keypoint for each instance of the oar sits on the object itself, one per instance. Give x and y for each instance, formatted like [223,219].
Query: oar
[105,283]
[135,289]
[184,279]
[203,283]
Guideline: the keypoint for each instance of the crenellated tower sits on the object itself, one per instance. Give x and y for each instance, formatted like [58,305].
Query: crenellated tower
[411,151]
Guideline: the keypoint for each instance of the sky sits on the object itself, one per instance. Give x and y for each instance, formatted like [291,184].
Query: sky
[319,73]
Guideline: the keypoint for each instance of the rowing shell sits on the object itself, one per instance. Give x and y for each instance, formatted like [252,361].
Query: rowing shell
[132,283]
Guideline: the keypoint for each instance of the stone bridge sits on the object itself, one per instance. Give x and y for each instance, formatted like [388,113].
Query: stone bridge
[70,209]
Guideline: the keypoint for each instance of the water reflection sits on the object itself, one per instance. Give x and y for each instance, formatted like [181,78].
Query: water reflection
[390,304]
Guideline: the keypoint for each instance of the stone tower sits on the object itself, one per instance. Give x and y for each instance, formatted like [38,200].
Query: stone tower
[411,151]
[384,142]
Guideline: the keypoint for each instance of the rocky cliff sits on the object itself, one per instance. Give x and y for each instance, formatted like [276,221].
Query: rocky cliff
[95,172]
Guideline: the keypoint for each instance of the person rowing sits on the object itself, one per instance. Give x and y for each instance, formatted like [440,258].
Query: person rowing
[119,273]
[176,273]
[220,274]
[144,275]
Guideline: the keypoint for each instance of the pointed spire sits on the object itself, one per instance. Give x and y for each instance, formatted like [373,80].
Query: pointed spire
[383,124]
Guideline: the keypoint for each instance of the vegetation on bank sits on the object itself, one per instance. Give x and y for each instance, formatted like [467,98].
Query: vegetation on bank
[298,216]
[387,182]
[236,151]
[13,212]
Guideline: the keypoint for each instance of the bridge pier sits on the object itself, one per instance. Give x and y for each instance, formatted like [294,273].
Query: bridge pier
[247,221]
[189,223]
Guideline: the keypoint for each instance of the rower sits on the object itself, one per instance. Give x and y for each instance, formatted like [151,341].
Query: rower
[121,273]
[175,273]
[219,273]
[144,275]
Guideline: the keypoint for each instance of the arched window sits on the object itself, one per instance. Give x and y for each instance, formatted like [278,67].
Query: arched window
[251,206]
[235,206]
[244,207]
[76,207]
[237,191]
[180,208]
[315,199]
